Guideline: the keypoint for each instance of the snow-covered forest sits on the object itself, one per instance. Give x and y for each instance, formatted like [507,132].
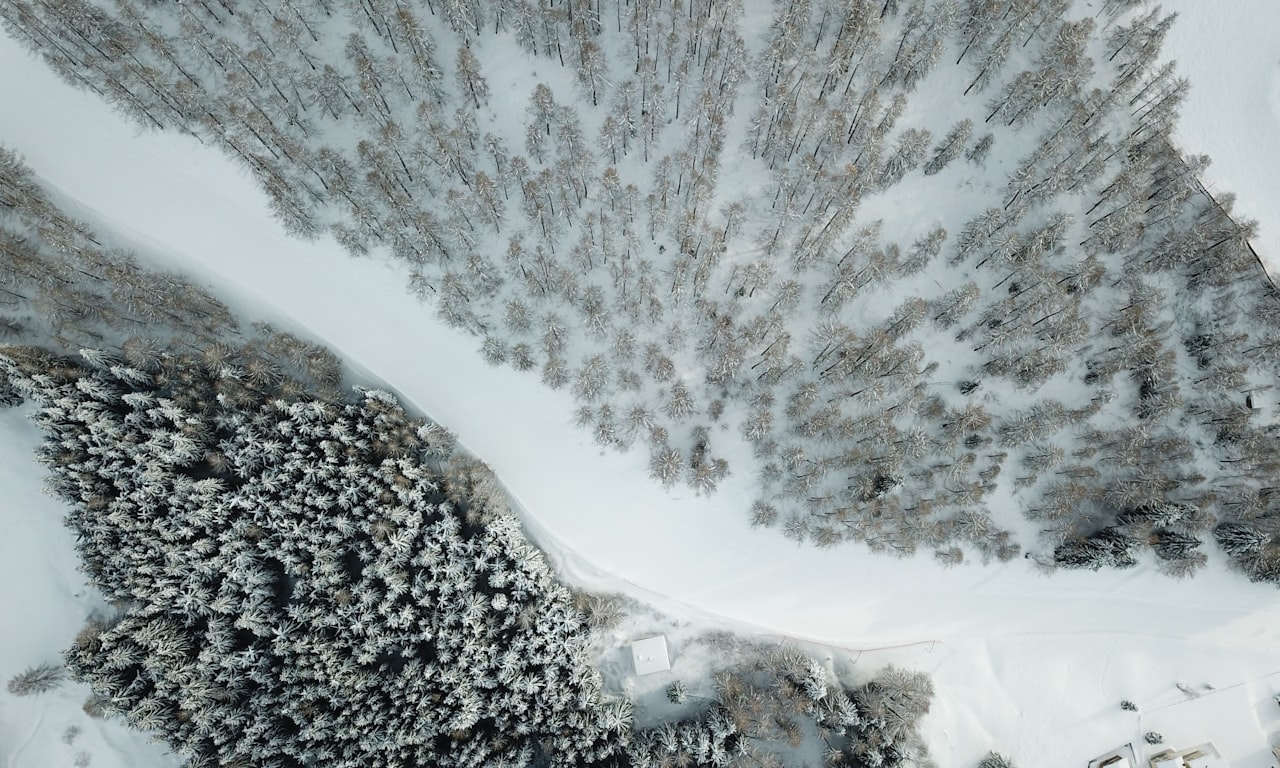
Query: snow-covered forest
[309,583]
[931,274]
[298,578]
[917,256]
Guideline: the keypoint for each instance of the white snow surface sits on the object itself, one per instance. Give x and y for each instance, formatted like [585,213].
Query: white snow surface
[1032,666]
[43,604]
[1231,54]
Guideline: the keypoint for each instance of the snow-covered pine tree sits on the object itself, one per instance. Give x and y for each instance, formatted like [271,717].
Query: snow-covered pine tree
[41,678]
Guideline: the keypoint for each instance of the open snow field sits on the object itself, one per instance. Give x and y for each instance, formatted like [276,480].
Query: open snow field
[1032,666]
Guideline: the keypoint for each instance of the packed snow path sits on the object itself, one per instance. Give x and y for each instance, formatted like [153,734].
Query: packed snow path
[1034,666]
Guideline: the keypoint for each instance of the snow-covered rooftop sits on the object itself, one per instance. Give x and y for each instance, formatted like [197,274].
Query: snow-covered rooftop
[650,655]
[1202,756]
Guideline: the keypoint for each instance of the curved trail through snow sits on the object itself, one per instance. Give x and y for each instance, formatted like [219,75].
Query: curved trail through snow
[607,520]
[1011,635]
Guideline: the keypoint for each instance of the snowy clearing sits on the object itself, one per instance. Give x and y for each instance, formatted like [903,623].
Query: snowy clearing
[1034,667]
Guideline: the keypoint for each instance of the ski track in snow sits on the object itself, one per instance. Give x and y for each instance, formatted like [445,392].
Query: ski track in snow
[1032,666]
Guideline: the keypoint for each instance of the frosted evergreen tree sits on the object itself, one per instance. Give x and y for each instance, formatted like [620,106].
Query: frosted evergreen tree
[38,679]
[949,147]
[995,760]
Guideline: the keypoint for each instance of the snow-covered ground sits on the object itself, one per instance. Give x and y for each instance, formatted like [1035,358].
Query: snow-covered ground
[1231,54]
[1035,667]
[43,604]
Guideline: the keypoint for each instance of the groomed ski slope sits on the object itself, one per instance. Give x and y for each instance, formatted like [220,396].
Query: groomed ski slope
[1033,666]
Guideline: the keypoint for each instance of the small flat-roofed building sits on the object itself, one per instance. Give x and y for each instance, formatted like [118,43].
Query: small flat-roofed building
[1259,399]
[1202,756]
[1204,761]
[1120,757]
[1261,402]
[650,655]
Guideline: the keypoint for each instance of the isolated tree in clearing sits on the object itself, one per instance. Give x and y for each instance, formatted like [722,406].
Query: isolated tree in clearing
[38,679]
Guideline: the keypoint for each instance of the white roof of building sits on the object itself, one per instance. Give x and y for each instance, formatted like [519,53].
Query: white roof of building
[1204,756]
[650,655]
